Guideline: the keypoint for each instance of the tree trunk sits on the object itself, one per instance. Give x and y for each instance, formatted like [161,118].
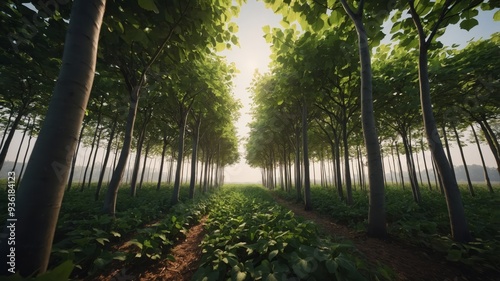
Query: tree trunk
[376,212]
[394,164]
[106,158]
[109,206]
[95,157]
[8,140]
[307,181]
[347,171]
[137,162]
[194,158]
[458,223]
[491,140]
[469,182]
[486,177]
[75,156]
[338,172]
[419,169]
[40,194]
[401,174]
[180,156]
[9,120]
[425,164]
[298,187]
[146,154]
[411,170]
[94,138]
[448,152]
[20,145]
[20,177]
[163,151]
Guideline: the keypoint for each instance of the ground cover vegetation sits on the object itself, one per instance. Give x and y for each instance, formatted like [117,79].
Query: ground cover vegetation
[143,78]
[250,237]
[146,229]
[424,225]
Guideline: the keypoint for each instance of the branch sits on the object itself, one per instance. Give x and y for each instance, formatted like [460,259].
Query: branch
[162,46]
[418,23]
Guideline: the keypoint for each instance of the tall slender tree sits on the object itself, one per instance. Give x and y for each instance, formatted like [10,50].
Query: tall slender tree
[41,191]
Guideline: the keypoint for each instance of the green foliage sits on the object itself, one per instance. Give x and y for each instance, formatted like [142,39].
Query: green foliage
[250,238]
[87,237]
[425,224]
[60,272]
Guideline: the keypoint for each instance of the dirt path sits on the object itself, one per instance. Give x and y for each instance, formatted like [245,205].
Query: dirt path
[186,259]
[407,262]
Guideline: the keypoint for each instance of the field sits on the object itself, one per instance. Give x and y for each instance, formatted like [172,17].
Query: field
[248,236]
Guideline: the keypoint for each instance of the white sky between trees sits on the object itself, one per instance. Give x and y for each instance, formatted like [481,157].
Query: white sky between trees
[253,54]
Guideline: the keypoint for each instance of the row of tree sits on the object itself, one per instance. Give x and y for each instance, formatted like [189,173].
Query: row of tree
[159,87]
[312,93]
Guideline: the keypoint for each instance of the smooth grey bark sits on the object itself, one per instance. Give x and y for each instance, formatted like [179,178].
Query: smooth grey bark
[40,194]
[419,169]
[163,152]
[194,158]
[305,155]
[5,131]
[485,171]
[137,162]
[8,140]
[448,151]
[21,145]
[95,156]
[20,177]
[109,206]
[347,171]
[411,170]
[491,140]
[146,154]
[75,156]
[376,212]
[425,164]
[394,164]
[469,182]
[180,156]
[82,186]
[298,181]
[401,175]
[106,158]
[458,222]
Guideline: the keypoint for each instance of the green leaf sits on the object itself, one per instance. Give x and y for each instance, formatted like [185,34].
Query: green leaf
[61,272]
[148,5]
[102,240]
[273,254]
[468,24]
[496,16]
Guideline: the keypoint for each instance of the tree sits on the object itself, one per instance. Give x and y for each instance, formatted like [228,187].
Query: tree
[315,16]
[41,191]
[187,29]
[430,20]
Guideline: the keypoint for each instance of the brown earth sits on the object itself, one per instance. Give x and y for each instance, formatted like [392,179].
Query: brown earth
[181,267]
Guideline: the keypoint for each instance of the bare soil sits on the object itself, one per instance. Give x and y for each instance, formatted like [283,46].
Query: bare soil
[186,255]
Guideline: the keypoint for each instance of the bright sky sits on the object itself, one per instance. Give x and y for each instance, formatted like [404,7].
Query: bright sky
[254,54]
